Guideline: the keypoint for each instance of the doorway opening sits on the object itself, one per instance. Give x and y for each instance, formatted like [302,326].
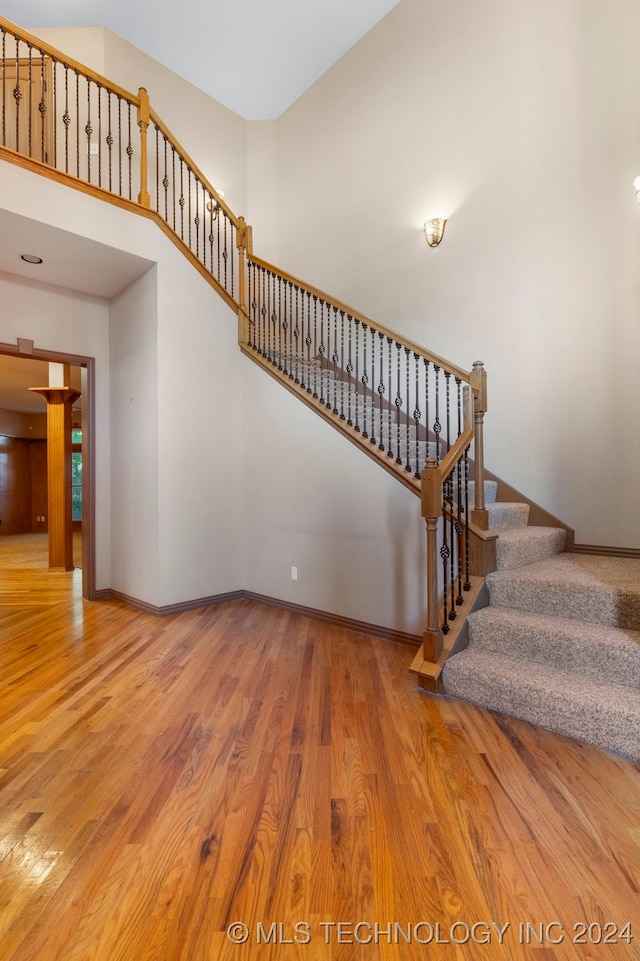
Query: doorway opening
[23,460]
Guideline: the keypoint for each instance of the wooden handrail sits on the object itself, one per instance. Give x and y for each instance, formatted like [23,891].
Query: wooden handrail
[75,65]
[193,167]
[463,375]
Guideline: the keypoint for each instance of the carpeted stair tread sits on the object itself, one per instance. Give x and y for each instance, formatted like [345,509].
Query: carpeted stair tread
[604,715]
[603,653]
[504,515]
[526,545]
[600,590]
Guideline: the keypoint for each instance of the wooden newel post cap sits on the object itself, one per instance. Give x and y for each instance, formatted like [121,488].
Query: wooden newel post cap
[431,489]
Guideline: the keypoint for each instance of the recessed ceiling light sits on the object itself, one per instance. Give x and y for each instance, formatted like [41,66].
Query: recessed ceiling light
[31,258]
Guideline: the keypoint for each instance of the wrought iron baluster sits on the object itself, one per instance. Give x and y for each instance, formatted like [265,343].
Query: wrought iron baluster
[30,117]
[225,252]
[99,135]
[54,71]
[381,390]
[286,327]
[444,555]
[342,414]
[268,319]
[447,381]
[459,399]
[189,203]
[308,341]
[426,406]
[212,237]
[120,145]
[459,532]
[218,245]
[165,182]
[407,365]
[88,130]
[372,438]
[173,185]
[416,418]
[349,373]
[335,358]
[357,376]
[263,313]
[437,426]
[296,335]
[181,201]
[453,542]
[42,107]
[277,317]
[315,346]
[66,118]
[17,95]
[233,255]
[389,439]
[109,140]
[4,81]
[196,219]
[467,566]
[129,145]
[322,352]
[398,402]
[365,380]
[77,130]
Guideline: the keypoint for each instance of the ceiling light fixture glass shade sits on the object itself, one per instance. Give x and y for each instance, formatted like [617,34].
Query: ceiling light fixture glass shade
[434,231]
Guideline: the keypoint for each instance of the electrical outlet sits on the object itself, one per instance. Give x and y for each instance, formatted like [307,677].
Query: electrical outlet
[294,573]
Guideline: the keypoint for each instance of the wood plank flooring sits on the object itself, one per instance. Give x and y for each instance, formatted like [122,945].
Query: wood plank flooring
[162,780]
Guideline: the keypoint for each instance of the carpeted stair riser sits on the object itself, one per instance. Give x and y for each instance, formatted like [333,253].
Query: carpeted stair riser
[504,516]
[599,652]
[605,715]
[525,545]
[570,586]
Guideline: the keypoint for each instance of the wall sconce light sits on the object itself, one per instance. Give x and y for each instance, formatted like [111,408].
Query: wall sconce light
[434,231]
[213,206]
[636,187]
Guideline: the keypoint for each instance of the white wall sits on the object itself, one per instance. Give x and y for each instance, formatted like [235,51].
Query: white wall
[314,501]
[135,560]
[517,121]
[199,437]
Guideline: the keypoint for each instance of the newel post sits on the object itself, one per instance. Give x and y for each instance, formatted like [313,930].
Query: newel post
[478,381]
[432,512]
[143,122]
[243,243]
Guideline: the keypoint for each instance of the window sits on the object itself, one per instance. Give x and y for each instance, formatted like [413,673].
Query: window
[76,475]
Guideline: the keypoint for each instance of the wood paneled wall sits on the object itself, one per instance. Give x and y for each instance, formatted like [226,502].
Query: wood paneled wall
[23,485]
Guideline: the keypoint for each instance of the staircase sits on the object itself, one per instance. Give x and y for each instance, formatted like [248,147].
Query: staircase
[559,644]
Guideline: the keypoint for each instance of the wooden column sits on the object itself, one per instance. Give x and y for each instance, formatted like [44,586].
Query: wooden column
[143,122]
[432,511]
[478,380]
[244,245]
[59,401]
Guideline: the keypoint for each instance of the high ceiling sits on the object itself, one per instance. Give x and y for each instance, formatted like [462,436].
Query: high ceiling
[254,56]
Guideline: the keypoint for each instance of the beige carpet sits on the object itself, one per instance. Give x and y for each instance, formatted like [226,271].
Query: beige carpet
[559,645]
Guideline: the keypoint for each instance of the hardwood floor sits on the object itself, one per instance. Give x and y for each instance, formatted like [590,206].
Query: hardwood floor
[162,780]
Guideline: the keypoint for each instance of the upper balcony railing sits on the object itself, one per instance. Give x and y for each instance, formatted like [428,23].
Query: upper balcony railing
[58,113]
